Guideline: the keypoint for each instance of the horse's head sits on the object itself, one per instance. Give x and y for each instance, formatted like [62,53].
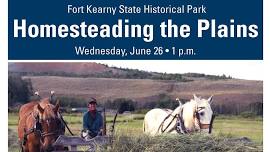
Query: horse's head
[203,113]
[198,114]
[50,124]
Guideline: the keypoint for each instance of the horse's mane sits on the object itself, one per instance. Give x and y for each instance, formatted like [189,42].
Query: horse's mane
[188,113]
[189,109]
[192,102]
[45,104]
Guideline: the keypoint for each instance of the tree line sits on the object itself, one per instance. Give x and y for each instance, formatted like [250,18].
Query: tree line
[125,73]
[20,91]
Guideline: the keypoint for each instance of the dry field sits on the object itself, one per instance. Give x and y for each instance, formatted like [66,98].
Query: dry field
[231,90]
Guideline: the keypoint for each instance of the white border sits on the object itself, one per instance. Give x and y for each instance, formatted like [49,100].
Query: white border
[266,94]
[4,74]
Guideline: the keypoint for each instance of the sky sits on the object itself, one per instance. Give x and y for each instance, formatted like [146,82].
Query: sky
[250,70]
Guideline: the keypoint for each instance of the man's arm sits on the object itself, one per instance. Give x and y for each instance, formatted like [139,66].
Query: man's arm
[85,121]
[101,123]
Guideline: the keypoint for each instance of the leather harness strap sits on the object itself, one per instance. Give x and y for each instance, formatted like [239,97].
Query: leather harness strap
[205,126]
[177,116]
[180,127]
[163,130]
[39,130]
[29,131]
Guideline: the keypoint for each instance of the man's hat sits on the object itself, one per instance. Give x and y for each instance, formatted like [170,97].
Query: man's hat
[92,100]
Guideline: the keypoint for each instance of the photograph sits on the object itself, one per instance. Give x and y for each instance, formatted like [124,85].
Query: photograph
[120,106]
[134,76]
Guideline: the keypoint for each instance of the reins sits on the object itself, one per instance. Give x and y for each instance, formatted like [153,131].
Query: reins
[37,128]
[64,122]
[161,125]
[44,134]
[202,126]
[113,124]
[180,127]
[31,130]
[211,123]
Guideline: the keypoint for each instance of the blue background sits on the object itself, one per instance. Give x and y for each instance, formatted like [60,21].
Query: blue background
[55,12]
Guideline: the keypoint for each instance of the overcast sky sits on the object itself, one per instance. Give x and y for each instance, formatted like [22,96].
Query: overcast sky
[251,70]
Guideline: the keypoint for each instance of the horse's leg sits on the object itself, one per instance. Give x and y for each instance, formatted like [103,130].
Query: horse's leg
[33,147]
[24,148]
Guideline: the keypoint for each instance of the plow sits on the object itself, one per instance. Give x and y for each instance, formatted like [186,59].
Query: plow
[74,142]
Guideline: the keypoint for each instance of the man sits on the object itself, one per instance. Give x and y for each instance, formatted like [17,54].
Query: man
[92,121]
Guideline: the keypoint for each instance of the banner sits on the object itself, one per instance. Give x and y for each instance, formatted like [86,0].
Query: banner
[132,30]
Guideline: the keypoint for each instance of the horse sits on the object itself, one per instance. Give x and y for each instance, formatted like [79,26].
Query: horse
[195,115]
[39,126]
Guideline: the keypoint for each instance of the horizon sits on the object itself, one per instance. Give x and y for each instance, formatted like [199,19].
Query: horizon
[249,71]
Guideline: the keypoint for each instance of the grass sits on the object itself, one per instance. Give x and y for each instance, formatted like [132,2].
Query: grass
[186,143]
[252,129]
[225,127]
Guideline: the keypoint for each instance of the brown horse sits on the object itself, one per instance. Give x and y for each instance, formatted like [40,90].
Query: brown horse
[39,126]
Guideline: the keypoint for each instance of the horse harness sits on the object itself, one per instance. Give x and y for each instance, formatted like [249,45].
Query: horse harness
[204,126]
[180,127]
[37,128]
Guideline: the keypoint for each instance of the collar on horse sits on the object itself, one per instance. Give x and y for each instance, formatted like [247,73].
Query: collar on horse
[201,125]
[180,126]
[37,128]
[162,124]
